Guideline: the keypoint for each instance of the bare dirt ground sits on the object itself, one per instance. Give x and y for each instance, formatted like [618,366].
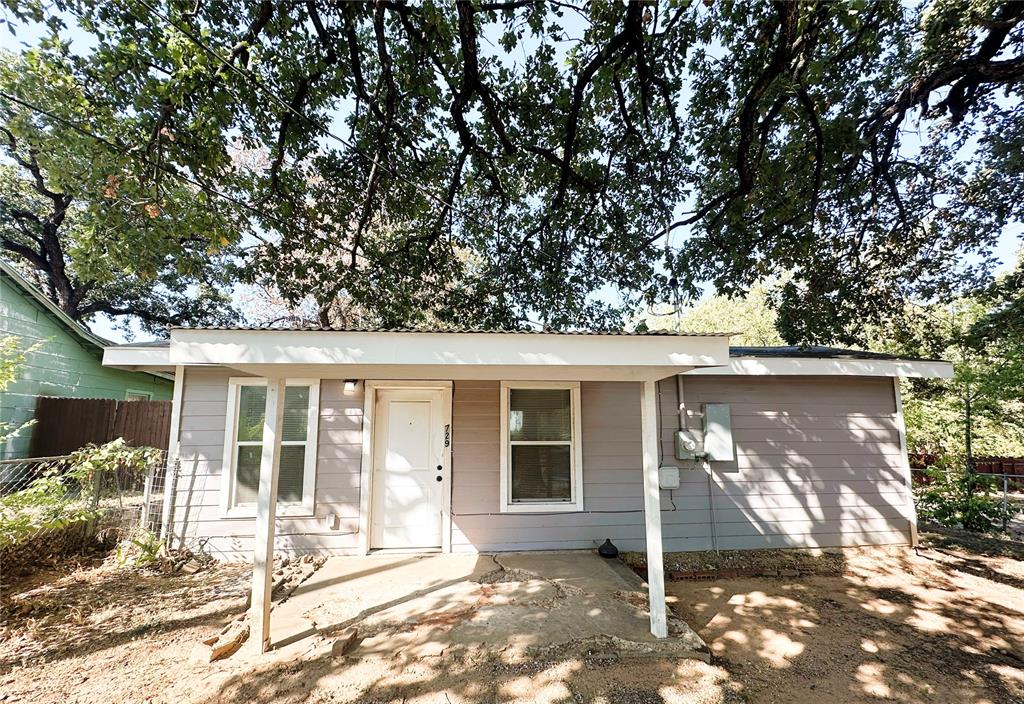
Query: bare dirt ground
[943,626]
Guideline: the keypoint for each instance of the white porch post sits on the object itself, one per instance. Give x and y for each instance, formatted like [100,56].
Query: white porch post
[650,438]
[266,508]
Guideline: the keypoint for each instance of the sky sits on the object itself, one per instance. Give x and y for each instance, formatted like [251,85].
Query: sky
[1005,251]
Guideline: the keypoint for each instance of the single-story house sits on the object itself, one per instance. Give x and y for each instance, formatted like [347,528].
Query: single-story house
[496,441]
[66,361]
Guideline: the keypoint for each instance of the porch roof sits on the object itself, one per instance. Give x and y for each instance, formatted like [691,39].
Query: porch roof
[431,354]
[466,353]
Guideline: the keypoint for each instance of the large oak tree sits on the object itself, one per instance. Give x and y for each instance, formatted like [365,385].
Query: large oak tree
[490,163]
[91,222]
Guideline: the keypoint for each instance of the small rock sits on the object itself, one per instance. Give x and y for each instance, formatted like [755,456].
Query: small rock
[345,642]
[190,567]
[229,643]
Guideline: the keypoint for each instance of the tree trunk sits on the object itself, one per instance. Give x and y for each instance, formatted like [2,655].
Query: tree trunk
[968,433]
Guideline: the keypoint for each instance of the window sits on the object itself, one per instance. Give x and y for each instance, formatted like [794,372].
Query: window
[243,446]
[541,467]
[133,395]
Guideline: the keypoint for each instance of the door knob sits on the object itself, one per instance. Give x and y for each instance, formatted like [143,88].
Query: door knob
[439,478]
[438,468]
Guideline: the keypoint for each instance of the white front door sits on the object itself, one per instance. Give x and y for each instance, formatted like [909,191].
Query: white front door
[408,469]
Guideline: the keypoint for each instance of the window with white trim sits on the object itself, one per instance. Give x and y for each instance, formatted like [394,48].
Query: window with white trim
[541,464]
[243,446]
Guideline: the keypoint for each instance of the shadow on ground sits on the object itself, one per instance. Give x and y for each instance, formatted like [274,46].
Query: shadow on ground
[930,627]
[943,626]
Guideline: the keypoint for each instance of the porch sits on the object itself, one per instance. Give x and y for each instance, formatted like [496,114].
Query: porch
[414,372]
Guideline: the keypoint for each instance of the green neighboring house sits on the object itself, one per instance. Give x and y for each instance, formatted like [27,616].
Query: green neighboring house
[68,361]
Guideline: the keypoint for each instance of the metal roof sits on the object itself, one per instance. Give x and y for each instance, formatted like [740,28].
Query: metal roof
[818,352]
[779,351]
[457,330]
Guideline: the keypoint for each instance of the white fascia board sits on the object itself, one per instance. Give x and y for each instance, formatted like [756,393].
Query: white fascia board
[135,357]
[800,366]
[244,347]
[464,372]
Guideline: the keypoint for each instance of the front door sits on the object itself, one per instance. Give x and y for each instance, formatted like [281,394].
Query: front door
[408,476]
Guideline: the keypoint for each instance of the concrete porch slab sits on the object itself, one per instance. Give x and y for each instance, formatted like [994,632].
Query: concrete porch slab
[512,606]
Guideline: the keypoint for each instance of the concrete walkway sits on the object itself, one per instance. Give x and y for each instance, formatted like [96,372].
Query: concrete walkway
[512,605]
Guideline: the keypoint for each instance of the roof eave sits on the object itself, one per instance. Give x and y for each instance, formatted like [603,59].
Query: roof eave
[81,331]
[822,366]
[448,355]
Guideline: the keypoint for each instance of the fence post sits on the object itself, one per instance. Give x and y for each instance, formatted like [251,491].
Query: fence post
[147,495]
[170,480]
[1006,507]
[171,476]
[97,486]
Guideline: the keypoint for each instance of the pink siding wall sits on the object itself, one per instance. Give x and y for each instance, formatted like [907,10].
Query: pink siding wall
[333,528]
[818,464]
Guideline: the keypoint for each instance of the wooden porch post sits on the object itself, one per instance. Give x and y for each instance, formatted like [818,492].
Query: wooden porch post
[650,437]
[266,508]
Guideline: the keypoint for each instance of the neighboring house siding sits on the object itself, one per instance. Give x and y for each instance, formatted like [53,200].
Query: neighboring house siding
[818,464]
[333,528]
[64,365]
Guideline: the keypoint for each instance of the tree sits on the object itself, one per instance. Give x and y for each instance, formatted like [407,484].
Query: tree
[751,318]
[90,223]
[981,409]
[489,162]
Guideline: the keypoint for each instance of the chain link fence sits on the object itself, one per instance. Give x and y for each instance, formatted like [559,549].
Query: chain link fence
[65,505]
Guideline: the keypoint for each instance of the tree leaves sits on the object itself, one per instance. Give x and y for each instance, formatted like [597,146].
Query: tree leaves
[103,228]
[512,162]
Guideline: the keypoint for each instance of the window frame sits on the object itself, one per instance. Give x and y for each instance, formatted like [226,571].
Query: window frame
[128,393]
[575,504]
[304,508]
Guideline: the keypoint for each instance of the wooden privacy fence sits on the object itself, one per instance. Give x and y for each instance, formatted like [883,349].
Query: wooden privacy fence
[1012,466]
[65,424]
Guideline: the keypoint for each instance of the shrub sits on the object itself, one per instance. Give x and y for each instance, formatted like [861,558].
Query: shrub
[140,550]
[70,492]
[957,498]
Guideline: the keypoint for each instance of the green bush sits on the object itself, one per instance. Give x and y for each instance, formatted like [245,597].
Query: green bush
[954,497]
[70,492]
[139,550]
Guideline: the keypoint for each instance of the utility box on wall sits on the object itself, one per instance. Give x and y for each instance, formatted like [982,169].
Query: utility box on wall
[687,445]
[668,477]
[718,433]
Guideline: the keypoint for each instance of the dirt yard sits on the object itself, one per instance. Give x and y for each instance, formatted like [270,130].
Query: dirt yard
[946,625]
[943,625]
